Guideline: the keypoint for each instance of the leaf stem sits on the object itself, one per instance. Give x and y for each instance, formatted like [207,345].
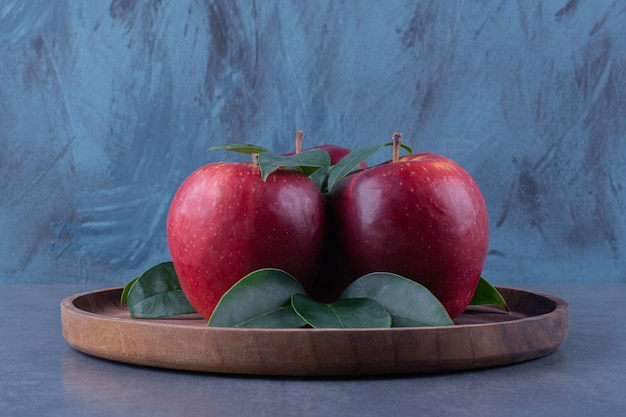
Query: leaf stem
[299,137]
[255,159]
[397,141]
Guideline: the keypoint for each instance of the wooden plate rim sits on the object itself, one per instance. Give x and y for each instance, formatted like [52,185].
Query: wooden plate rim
[557,317]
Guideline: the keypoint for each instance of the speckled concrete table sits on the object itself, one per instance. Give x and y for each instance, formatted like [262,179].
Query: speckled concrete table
[40,374]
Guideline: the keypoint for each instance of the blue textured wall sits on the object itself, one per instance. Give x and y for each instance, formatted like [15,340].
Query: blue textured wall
[106,106]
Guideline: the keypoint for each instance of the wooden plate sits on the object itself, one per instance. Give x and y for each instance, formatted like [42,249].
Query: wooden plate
[95,324]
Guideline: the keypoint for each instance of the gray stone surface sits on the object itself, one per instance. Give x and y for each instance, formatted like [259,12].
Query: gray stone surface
[41,375]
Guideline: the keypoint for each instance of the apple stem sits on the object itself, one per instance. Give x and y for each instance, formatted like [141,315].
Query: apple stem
[255,159]
[299,137]
[397,141]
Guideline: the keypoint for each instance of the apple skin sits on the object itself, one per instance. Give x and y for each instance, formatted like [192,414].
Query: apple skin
[225,222]
[422,217]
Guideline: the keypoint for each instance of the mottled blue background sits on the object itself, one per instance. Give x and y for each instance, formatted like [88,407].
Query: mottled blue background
[106,106]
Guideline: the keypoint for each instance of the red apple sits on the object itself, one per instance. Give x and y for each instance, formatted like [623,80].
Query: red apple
[421,216]
[225,222]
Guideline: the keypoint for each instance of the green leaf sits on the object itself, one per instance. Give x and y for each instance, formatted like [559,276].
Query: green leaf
[306,162]
[487,295]
[402,145]
[260,299]
[124,296]
[282,317]
[346,313]
[157,293]
[319,177]
[409,303]
[349,163]
[238,147]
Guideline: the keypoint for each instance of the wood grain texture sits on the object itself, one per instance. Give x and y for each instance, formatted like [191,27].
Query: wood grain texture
[95,324]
